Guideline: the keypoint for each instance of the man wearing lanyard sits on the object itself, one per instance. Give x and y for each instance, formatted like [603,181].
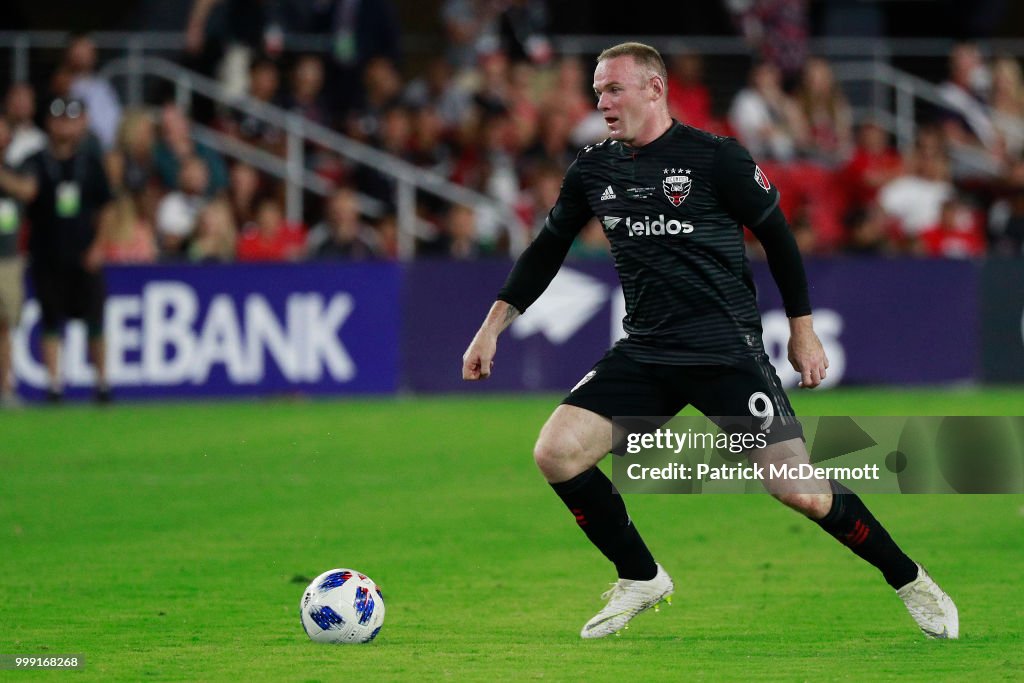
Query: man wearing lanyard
[65,189]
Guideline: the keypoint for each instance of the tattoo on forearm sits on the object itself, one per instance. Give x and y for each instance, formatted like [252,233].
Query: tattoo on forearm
[510,314]
[498,321]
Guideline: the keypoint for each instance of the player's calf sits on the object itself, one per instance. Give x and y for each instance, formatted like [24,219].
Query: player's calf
[811,505]
[812,498]
[851,523]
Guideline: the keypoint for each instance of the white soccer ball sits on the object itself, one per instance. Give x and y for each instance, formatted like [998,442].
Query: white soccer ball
[342,606]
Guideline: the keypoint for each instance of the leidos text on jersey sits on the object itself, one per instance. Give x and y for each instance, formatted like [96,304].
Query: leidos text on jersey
[659,226]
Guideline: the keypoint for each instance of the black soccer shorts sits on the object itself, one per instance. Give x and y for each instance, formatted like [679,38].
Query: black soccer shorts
[620,387]
[69,292]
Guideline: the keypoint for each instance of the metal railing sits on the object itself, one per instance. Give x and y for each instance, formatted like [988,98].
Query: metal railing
[894,105]
[298,131]
[896,100]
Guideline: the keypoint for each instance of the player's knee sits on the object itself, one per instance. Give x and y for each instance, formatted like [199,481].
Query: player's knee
[554,454]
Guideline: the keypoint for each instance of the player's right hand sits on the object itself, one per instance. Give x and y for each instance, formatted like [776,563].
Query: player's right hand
[478,359]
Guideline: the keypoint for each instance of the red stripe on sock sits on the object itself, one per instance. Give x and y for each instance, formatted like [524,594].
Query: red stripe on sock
[858,535]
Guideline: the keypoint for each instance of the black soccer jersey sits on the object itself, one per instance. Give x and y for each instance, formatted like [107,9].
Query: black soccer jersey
[673,211]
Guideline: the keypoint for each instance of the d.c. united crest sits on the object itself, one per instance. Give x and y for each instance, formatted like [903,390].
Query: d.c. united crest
[676,187]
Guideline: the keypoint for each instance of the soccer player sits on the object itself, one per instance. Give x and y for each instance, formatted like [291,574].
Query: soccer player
[673,201]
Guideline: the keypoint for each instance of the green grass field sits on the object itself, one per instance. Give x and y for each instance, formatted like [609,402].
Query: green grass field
[173,541]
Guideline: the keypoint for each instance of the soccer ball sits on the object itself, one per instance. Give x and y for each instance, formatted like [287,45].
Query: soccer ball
[342,606]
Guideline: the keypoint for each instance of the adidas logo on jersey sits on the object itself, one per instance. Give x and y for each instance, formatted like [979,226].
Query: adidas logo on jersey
[659,226]
[608,193]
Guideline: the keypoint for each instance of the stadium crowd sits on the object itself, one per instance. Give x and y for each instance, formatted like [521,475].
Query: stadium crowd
[502,113]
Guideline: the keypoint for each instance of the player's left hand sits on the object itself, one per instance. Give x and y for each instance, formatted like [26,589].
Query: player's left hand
[806,354]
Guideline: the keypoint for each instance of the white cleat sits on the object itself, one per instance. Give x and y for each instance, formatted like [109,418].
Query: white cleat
[931,608]
[626,599]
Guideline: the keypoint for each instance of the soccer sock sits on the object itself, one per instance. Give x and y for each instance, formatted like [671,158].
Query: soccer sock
[854,526]
[601,513]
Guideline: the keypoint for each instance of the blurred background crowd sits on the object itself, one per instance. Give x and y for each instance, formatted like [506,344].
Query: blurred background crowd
[500,105]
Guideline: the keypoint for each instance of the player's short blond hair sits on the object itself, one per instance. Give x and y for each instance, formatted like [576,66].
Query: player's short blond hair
[645,57]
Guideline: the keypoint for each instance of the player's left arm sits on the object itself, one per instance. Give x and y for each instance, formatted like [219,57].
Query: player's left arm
[750,197]
[806,354]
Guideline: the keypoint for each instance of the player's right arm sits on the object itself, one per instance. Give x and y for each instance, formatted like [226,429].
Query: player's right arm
[531,275]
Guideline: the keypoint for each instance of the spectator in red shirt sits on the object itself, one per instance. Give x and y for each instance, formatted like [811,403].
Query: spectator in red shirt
[271,237]
[956,235]
[688,98]
[874,163]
